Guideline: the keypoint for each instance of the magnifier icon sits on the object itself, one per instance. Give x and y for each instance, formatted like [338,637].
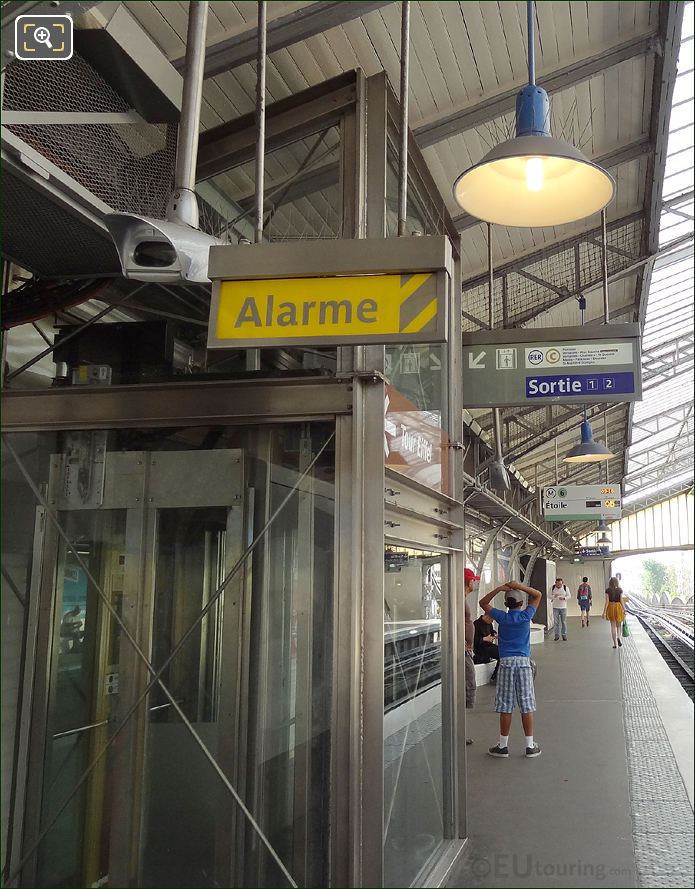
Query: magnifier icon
[43,35]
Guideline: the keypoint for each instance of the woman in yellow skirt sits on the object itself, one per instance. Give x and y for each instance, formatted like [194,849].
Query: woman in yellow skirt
[613,610]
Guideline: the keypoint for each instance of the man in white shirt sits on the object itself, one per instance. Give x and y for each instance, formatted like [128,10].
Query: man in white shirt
[559,596]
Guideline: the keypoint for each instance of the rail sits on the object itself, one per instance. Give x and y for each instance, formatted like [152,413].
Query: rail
[412,660]
[672,634]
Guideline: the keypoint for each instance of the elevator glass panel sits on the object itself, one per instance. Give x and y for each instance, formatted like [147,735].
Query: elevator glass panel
[83,656]
[415,608]
[134,783]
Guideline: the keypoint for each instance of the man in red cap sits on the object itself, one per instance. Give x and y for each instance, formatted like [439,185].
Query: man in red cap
[470,580]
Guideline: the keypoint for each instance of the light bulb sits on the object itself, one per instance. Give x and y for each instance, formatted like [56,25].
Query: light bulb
[534,173]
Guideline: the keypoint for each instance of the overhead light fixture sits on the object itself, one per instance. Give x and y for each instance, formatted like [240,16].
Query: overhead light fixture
[533,180]
[604,540]
[603,525]
[588,450]
[498,476]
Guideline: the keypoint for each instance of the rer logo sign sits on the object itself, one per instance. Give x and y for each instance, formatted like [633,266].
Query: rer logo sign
[394,290]
[571,503]
[552,366]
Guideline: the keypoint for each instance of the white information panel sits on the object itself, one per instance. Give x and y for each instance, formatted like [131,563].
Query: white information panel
[567,503]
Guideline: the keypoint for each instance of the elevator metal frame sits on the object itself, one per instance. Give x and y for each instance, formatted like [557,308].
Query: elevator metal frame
[425,518]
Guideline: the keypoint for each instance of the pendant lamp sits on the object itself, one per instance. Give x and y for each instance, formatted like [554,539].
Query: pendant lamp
[499,477]
[588,450]
[533,180]
[604,539]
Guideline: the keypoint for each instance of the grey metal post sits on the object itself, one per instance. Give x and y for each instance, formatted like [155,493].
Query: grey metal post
[183,205]
[604,261]
[496,417]
[490,281]
[405,84]
[605,441]
[497,423]
[557,466]
[253,356]
[530,29]
[260,120]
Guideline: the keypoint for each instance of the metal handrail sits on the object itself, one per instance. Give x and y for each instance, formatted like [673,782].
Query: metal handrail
[82,728]
[86,728]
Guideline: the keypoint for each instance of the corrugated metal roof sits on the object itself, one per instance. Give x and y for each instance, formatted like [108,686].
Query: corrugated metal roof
[461,53]
[467,60]
[663,437]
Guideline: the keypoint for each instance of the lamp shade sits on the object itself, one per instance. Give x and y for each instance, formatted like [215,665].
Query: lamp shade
[533,181]
[588,450]
[499,477]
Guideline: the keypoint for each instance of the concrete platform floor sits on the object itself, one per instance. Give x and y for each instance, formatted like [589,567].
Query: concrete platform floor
[572,816]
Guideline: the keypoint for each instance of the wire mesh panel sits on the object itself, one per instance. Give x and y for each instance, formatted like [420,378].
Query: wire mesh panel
[129,166]
[31,237]
[551,277]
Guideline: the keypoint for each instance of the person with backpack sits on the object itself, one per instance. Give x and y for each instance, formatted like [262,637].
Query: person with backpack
[584,600]
[559,596]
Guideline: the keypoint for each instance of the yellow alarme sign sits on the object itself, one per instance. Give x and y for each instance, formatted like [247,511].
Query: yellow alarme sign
[358,309]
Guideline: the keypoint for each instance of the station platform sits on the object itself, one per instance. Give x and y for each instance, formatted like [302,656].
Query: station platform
[610,800]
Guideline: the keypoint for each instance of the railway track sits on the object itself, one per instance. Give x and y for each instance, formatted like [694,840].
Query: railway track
[412,661]
[672,634]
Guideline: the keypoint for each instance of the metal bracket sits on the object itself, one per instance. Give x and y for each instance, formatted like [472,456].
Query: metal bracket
[370,376]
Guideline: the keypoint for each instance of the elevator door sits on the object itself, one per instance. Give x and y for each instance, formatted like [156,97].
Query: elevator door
[154,535]
[130,786]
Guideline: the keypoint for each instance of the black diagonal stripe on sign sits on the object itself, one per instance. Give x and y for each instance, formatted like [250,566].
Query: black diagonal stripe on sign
[417,301]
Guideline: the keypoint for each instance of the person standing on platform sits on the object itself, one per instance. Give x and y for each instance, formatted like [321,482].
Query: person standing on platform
[470,581]
[485,647]
[584,599]
[515,676]
[614,610]
[559,596]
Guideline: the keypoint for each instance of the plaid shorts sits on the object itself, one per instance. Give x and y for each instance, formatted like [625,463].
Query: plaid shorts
[515,683]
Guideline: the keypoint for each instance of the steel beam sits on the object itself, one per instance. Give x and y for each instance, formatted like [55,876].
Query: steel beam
[170,404]
[492,107]
[300,115]
[654,499]
[682,467]
[283,31]
[70,118]
[540,439]
[295,187]
[663,83]
[672,416]
[551,250]
[118,47]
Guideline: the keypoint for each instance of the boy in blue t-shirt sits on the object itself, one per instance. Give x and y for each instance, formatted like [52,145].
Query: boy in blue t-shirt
[514,677]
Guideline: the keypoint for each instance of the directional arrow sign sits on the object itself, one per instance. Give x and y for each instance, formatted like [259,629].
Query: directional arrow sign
[554,365]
